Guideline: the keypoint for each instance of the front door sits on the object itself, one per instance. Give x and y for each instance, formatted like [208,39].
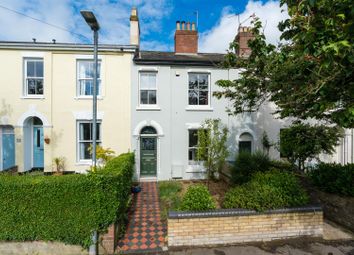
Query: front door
[148,156]
[38,147]
[8,151]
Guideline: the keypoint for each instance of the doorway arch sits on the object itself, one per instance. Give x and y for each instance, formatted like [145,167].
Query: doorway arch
[148,152]
[33,143]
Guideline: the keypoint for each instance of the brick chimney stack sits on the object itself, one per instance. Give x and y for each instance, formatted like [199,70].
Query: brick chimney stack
[186,38]
[243,36]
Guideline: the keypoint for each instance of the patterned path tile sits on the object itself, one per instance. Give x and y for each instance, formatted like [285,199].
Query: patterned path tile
[145,231]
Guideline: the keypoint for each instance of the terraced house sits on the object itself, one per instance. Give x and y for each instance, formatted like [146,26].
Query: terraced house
[46,103]
[149,102]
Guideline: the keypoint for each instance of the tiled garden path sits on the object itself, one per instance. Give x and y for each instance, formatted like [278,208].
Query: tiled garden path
[145,230]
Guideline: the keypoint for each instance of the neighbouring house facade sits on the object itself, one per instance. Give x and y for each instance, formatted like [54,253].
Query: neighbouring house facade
[46,103]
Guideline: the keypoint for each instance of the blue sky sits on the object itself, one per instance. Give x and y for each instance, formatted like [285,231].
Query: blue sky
[218,20]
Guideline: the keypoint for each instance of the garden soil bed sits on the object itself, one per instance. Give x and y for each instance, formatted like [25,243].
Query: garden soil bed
[216,188]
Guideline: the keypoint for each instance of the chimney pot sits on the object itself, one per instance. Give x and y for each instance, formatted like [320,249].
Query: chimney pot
[183,25]
[54,41]
[178,26]
[34,40]
[193,26]
[188,26]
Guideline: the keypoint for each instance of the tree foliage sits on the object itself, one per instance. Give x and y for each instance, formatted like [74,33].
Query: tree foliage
[301,142]
[308,76]
[212,148]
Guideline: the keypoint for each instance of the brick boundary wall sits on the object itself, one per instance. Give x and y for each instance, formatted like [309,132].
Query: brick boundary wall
[231,226]
[107,242]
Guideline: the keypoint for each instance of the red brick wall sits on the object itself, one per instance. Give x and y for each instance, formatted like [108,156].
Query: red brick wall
[242,38]
[186,41]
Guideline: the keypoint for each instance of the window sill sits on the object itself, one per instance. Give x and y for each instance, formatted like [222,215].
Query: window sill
[33,97]
[148,108]
[199,108]
[87,98]
[84,163]
[195,168]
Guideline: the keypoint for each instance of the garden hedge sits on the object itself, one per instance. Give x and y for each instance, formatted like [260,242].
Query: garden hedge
[334,178]
[64,208]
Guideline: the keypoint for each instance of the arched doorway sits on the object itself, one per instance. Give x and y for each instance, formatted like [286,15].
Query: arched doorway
[148,152]
[33,143]
[245,143]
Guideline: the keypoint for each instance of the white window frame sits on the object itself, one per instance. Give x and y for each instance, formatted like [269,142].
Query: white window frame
[100,85]
[193,162]
[146,106]
[25,86]
[199,107]
[78,141]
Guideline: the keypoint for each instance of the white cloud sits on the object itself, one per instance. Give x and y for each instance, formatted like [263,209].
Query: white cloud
[218,38]
[112,16]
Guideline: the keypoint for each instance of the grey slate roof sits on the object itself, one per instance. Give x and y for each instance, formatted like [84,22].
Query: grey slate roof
[171,58]
[66,46]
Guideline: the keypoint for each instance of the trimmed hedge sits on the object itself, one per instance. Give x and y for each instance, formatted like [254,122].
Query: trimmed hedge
[334,178]
[270,190]
[197,198]
[64,208]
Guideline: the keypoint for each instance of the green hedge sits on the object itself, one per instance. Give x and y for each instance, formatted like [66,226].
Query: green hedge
[64,208]
[334,178]
[270,190]
[247,164]
[197,198]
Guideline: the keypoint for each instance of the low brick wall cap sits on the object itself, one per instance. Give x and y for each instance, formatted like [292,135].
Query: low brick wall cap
[240,212]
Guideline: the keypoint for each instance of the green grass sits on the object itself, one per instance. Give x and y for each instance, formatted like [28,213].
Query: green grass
[170,196]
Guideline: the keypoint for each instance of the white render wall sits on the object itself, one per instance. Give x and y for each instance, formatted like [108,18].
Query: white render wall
[172,119]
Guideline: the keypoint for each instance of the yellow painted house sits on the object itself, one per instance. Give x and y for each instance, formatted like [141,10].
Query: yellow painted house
[46,103]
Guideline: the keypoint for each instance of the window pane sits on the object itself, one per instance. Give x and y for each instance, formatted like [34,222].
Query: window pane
[39,69]
[193,81]
[98,131]
[85,131]
[30,68]
[203,80]
[148,80]
[245,146]
[152,96]
[143,97]
[84,150]
[193,138]
[31,86]
[193,97]
[192,154]
[203,97]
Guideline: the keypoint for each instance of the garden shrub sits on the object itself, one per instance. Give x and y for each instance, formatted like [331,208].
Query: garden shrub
[197,198]
[270,190]
[334,178]
[64,208]
[247,164]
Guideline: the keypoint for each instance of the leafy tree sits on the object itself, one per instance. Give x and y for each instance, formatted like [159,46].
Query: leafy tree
[212,148]
[308,76]
[301,142]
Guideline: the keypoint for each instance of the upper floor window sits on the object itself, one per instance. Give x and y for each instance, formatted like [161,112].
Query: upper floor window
[198,89]
[33,76]
[85,78]
[148,88]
